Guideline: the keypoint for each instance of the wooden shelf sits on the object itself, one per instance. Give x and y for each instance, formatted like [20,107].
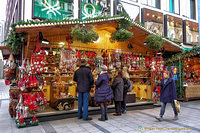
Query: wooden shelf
[140,71]
[141,84]
[60,73]
[140,77]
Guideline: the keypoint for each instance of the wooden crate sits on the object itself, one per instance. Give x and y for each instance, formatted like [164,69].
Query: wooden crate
[131,98]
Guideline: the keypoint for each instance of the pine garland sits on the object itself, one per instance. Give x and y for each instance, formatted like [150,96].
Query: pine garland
[15,40]
[184,54]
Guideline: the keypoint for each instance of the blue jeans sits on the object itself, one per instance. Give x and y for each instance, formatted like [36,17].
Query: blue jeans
[83,99]
[163,105]
[123,104]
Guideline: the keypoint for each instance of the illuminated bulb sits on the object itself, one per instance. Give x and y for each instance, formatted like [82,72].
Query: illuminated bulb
[61,43]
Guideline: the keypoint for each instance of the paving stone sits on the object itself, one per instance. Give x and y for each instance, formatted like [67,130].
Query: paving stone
[127,123]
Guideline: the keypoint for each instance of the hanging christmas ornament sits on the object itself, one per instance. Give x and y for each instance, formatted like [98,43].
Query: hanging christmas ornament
[99,61]
[105,58]
[110,64]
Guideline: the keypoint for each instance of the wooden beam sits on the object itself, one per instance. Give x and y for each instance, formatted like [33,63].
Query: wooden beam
[5,47]
[28,43]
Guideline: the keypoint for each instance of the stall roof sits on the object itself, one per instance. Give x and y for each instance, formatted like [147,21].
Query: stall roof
[63,28]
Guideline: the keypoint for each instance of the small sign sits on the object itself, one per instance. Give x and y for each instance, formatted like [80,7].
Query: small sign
[174,71]
[53,9]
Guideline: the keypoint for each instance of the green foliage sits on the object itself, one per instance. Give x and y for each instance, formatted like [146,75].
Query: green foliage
[154,42]
[121,35]
[184,54]
[15,41]
[139,23]
[125,24]
[84,34]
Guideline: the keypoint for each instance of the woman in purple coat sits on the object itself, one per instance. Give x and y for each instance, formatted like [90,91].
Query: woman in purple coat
[167,95]
[103,92]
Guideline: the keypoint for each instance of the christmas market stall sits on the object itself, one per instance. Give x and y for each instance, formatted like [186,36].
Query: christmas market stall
[51,51]
[185,68]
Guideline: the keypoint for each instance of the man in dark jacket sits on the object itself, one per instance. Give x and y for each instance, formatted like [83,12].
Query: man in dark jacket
[167,95]
[83,77]
[118,88]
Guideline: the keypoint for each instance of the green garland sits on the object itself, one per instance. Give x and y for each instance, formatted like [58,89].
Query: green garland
[121,35]
[155,42]
[172,40]
[184,54]
[15,40]
[84,34]
[124,24]
[141,24]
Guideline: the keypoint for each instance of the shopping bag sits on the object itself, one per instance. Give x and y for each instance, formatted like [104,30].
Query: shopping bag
[177,105]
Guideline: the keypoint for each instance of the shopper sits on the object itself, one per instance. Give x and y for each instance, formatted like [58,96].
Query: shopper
[127,84]
[167,95]
[103,92]
[83,77]
[118,87]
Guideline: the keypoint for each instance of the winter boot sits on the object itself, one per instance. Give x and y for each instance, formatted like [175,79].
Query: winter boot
[102,114]
[106,116]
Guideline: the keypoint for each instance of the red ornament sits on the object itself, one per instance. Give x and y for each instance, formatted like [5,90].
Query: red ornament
[78,54]
[34,118]
[21,120]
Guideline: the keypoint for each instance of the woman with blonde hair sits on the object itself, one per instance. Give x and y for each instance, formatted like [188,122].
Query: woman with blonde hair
[127,83]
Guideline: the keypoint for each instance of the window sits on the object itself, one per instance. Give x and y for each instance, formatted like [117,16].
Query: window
[171,6]
[190,38]
[0,30]
[153,3]
[192,9]
[134,0]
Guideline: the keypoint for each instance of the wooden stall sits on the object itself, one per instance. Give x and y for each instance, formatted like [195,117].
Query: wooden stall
[58,85]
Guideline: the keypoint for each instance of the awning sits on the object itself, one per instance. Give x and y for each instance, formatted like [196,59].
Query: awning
[58,32]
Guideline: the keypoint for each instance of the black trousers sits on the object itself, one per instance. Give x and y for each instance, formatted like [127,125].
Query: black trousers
[118,107]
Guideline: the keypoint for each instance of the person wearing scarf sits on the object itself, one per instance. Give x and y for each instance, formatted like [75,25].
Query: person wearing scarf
[118,88]
[103,92]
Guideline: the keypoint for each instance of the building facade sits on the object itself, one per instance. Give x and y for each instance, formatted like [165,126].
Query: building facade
[2,26]
[199,16]
[175,19]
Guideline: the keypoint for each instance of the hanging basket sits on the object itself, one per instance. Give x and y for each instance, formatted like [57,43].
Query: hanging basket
[83,34]
[121,35]
[154,42]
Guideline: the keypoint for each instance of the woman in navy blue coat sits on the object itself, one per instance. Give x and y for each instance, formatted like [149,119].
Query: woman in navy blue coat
[103,92]
[167,95]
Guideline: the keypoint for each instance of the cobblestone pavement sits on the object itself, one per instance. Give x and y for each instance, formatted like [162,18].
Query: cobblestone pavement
[134,121]
[4,90]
